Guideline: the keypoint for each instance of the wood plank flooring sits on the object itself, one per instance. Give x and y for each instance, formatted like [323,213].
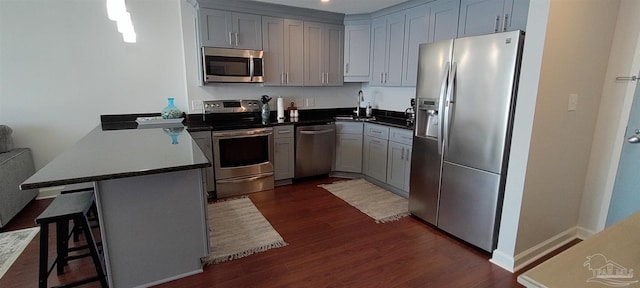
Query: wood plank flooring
[330,244]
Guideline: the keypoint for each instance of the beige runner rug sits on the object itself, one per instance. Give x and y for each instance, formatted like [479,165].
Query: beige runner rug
[237,229]
[377,203]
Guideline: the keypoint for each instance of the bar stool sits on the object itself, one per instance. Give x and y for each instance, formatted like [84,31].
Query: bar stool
[64,208]
[93,215]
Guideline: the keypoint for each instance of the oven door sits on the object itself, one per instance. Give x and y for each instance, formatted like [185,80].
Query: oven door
[243,153]
[232,65]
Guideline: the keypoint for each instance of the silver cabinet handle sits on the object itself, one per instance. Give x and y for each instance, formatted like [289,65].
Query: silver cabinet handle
[236,39]
[287,77]
[251,68]
[327,78]
[402,155]
[506,22]
[316,132]
[281,78]
[497,24]
[381,78]
[347,68]
[230,37]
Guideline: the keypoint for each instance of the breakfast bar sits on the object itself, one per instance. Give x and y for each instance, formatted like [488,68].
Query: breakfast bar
[151,202]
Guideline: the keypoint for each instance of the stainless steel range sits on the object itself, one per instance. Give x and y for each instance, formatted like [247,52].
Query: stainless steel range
[242,147]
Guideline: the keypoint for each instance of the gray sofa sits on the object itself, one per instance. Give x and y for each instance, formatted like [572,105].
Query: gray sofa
[16,165]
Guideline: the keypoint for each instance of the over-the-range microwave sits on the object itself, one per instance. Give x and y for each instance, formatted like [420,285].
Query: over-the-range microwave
[232,65]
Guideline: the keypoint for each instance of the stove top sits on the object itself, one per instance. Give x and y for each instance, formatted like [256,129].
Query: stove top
[233,114]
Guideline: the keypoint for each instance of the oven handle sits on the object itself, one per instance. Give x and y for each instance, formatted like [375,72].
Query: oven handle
[236,134]
[314,132]
[244,180]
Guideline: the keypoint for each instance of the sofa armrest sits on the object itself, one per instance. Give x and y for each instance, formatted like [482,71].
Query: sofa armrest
[15,167]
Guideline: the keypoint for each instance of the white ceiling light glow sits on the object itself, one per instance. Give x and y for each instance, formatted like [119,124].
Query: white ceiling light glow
[117,11]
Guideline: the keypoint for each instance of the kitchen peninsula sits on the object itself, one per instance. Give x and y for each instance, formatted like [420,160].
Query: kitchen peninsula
[150,198]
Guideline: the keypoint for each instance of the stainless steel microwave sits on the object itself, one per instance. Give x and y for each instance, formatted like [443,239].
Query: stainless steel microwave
[232,65]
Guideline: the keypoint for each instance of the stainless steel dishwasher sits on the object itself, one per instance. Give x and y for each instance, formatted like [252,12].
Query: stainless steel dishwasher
[315,149]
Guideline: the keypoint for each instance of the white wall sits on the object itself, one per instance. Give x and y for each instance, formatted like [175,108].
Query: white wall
[63,63]
[574,60]
[612,118]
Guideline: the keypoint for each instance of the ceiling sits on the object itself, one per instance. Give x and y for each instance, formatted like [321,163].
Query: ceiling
[339,6]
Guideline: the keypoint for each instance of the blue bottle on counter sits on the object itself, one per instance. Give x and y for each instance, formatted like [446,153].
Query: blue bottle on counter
[171,111]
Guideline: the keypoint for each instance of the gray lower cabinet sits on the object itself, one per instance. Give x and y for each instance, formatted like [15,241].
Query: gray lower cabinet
[283,143]
[374,154]
[348,147]
[203,139]
[399,158]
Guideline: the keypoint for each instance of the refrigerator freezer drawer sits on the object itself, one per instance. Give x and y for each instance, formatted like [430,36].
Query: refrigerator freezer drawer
[468,204]
[425,179]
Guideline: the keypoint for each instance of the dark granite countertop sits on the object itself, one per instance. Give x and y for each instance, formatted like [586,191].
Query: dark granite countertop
[110,154]
[194,122]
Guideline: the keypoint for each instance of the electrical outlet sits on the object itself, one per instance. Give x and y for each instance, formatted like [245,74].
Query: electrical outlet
[573,102]
[196,105]
[309,102]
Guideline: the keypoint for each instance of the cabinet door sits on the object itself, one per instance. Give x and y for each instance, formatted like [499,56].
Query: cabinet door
[333,39]
[273,44]
[247,30]
[397,160]
[515,13]
[416,32]
[349,153]
[443,23]
[203,140]
[478,17]
[357,41]
[293,52]
[313,65]
[215,28]
[378,50]
[374,158]
[283,162]
[395,49]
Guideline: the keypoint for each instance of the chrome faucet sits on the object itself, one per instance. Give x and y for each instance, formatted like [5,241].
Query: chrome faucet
[360,99]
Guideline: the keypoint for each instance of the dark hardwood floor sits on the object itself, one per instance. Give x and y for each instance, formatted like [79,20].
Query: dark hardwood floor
[330,244]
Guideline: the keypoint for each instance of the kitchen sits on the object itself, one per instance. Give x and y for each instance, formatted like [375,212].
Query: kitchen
[81,93]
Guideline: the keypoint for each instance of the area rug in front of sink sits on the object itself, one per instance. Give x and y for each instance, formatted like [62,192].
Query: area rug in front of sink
[377,203]
[237,229]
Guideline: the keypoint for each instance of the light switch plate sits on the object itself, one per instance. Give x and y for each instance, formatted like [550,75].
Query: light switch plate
[573,102]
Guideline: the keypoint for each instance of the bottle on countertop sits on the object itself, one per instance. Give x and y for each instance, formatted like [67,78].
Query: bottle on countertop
[369,109]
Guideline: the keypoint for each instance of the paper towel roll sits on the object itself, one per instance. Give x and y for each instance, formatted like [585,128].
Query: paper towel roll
[280,108]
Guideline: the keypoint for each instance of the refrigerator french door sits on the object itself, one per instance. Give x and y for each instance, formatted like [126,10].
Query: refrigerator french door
[476,103]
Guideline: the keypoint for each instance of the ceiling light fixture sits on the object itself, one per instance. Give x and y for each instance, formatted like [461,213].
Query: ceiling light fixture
[324,1]
[117,11]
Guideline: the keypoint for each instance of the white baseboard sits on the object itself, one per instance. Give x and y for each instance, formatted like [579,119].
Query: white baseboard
[584,233]
[513,264]
[49,192]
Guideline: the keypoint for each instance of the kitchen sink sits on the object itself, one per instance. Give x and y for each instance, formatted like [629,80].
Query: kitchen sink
[355,118]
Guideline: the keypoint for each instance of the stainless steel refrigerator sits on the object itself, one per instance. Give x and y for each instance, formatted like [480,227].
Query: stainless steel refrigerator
[465,98]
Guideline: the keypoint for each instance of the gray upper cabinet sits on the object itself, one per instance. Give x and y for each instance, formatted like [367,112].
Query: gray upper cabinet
[387,48]
[323,54]
[478,17]
[416,32]
[283,51]
[357,39]
[230,29]
[443,20]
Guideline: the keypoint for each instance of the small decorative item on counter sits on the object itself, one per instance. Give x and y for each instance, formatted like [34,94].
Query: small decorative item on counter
[293,111]
[171,111]
[265,111]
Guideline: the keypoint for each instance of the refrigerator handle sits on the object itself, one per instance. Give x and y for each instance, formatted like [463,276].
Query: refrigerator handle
[449,103]
[441,105]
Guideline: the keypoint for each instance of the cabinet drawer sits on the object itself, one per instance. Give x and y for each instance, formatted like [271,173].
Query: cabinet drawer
[283,131]
[377,131]
[349,128]
[403,136]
